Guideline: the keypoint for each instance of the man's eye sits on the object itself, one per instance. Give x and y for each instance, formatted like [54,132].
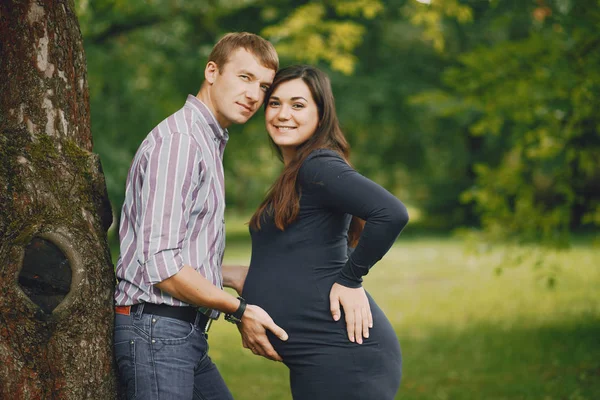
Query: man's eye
[264,88]
[245,77]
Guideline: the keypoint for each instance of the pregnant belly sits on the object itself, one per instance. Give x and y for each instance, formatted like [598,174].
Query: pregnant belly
[299,305]
[283,294]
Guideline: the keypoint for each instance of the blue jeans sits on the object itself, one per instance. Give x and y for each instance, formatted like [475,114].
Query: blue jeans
[162,358]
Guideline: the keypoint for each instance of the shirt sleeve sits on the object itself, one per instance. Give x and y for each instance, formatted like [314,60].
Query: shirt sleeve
[172,172]
[338,186]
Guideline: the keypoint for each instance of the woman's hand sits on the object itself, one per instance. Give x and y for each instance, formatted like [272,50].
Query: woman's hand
[356,307]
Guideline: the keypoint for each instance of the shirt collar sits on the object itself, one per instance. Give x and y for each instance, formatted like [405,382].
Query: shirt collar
[198,106]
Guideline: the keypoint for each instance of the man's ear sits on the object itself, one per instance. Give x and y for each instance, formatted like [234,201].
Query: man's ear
[210,72]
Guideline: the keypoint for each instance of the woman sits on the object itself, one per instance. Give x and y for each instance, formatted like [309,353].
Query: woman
[301,234]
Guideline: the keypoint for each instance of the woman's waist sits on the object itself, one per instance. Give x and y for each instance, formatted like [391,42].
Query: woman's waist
[295,285]
[284,296]
[307,247]
[305,263]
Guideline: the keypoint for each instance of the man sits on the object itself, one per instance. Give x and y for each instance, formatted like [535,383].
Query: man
[172,236]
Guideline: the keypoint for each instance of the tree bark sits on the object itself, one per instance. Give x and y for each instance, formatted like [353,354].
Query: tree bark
[52,200]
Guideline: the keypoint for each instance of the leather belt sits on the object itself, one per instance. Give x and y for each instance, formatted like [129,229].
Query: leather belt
[183,313]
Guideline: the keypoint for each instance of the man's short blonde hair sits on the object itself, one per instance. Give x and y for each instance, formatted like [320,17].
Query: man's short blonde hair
[262,49]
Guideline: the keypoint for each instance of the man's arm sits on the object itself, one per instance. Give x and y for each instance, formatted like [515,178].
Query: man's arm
[190,286]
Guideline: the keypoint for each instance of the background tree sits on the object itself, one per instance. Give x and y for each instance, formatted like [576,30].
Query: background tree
[523,91]
[56,275]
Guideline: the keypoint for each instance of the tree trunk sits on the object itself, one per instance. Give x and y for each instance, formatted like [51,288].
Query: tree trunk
[56,275]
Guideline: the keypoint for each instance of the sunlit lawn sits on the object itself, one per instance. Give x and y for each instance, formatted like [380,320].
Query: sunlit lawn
[466,333]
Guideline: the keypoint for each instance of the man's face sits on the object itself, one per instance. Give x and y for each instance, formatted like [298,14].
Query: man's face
[238,90]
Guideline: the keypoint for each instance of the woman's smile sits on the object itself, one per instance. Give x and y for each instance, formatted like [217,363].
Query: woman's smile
[292,116]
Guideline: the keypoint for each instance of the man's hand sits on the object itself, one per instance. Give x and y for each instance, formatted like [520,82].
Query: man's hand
[356,307]
[253,329]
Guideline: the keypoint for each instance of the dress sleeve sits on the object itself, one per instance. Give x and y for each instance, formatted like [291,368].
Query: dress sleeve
[338,186]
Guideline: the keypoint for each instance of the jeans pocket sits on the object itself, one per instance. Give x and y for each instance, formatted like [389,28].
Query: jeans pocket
[125,358]
[171,330]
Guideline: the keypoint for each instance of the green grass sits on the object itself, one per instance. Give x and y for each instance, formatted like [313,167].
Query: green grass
[466,332]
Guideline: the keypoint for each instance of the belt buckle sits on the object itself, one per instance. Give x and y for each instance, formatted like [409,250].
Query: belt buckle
[208,324]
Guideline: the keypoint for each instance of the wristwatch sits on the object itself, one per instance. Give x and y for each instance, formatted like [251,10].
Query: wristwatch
[236,317]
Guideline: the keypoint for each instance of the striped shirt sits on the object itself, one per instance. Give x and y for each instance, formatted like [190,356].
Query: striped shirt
[174,207]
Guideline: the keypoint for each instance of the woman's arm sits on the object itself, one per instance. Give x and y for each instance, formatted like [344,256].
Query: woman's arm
[327,177]
[234,277]
[339,187]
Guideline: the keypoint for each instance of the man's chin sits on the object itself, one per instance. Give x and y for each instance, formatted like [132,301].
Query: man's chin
[241,119]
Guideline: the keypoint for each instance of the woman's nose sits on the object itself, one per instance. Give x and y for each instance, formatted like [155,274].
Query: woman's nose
[284,113]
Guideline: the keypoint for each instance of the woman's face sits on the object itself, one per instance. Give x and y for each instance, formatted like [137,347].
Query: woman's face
[291,116]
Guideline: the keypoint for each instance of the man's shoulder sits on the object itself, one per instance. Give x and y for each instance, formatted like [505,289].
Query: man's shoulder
[183,125]
[183,122]
[163,136]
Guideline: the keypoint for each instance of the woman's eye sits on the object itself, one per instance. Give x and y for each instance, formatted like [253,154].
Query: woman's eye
[273,103]
[298,106]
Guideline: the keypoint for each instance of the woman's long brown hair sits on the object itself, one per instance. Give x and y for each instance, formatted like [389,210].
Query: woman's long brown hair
[283,199]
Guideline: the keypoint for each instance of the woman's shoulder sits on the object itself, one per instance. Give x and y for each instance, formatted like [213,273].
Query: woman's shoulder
[323,152]
[321,156]
[320,161]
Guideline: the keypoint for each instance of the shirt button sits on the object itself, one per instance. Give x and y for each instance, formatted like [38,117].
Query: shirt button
[153,320]
[153,341]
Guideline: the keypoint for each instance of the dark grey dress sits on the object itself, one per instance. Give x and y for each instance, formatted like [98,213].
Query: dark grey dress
[292,271]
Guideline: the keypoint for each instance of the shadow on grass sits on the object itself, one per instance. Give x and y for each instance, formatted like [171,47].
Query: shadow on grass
[491,362]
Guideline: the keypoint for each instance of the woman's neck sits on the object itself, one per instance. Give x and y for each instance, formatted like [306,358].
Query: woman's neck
[288,155]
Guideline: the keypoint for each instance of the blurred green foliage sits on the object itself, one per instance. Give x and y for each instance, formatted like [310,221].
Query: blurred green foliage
[525,84]
[479,113]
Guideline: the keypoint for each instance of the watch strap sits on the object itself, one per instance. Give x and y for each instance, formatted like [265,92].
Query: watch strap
[236,316]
